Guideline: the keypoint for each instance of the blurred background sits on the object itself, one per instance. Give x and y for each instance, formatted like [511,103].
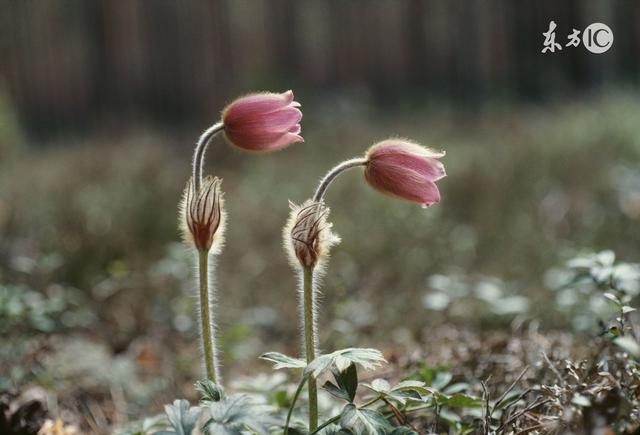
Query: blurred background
[101,103]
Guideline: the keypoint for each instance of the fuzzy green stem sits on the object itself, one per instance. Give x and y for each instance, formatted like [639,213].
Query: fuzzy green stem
[206,323]
[310,343]
[201,148]
[333,173]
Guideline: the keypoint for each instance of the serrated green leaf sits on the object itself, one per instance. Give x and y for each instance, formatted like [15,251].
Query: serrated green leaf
[282,361]
[342,359]
[380,385]
[182,416]
[401,392]
[363,421]
[235,414]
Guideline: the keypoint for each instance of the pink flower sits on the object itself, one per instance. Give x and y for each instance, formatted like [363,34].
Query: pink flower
[263,122]
[404,169]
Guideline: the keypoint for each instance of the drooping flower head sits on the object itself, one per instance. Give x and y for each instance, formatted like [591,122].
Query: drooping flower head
[202,216]
[307,235]
[405,169]
[263,122]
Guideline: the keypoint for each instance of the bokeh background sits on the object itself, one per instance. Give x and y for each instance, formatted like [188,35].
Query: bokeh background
[101,103]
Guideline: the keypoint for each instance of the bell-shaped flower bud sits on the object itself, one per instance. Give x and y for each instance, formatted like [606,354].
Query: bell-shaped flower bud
[404,169]
[263,122]
[202,216]
[307,235]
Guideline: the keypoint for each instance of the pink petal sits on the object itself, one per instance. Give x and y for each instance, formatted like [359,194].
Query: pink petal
[254,105]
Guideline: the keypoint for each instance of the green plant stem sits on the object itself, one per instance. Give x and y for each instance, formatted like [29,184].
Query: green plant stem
[370,402]
[310,343]
[293,403]
[326,423]
[206,324]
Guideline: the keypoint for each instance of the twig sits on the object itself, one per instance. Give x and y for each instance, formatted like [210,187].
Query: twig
[486,424]
[553,368]
[515,416]
[508,390]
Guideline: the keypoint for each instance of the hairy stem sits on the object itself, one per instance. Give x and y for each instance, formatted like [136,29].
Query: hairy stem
[333,173]
[310,342]
[201,148]
[206,318]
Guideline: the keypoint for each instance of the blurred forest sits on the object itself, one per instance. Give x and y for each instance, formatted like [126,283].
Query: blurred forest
[71,64]
[102,101]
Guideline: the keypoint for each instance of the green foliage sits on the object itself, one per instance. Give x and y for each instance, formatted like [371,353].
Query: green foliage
[595,288]
[182,416]
[363,421]
[283,361]
[402,392]
[342,359]
[235,415]
[346,383]
[25,309]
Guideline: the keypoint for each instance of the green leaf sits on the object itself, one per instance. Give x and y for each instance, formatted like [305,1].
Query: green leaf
[210,391]
[456,388]
[363,421]
[627,309]
[347,383]
[460,400]
[441,380]
[347,380]
[406,390]
[629,345]
[182,416]
[237,414]
[342,359]
[613,298]
[337,391]
[283,361]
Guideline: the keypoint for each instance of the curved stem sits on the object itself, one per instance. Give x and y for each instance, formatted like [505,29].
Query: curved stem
[326,423]
[333,173]
[310,342]
[201,148]
[370,402]
[206,323]
[293,403]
